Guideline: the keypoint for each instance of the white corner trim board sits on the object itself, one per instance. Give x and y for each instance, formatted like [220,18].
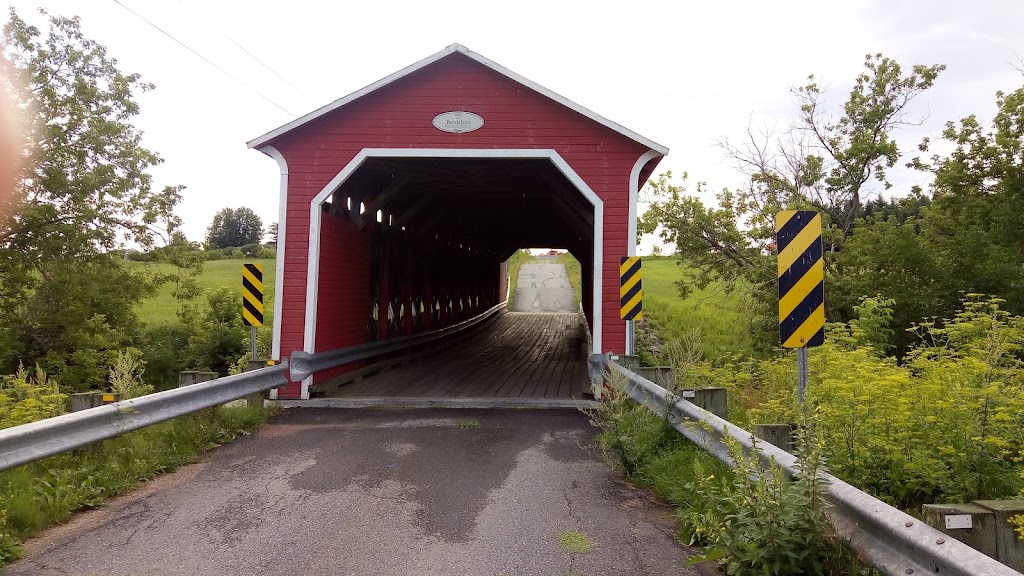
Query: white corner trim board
[282,223]
[316,215]
[634,193]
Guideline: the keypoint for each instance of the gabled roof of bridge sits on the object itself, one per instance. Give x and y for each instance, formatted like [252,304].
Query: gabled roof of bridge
[453,49]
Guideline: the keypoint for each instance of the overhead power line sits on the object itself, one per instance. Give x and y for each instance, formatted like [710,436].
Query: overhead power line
[264,64]
[208,61]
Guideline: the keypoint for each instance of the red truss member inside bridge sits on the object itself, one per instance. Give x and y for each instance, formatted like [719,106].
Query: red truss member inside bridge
[401,202]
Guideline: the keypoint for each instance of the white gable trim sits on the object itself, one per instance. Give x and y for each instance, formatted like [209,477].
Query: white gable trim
[316,215]
[264,139]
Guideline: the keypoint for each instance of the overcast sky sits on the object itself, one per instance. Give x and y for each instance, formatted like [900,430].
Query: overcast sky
[685,74]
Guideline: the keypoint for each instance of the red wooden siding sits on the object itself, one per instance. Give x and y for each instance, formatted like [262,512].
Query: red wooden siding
[399,116]
[343,306]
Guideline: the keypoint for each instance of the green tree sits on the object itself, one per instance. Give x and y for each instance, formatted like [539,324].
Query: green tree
[234,227]
[66,299]
[831,162]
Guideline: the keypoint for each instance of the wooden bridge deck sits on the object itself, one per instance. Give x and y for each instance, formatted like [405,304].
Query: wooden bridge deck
[520,355]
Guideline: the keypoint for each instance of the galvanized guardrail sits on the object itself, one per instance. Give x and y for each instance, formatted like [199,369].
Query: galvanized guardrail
[36,440]
[304,364]
[891,540]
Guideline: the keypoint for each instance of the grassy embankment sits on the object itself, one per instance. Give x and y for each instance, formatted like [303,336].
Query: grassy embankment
[161,307]
[711,314]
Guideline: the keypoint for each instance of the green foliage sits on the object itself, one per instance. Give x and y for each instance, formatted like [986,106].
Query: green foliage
[830,161]
[944,426]
[871,326]
[66,299]
[216,334]
[126,375]
[720,316]
[751,518]
[26,397]
[759,522]
[162,306]
[235,227]
[512,265]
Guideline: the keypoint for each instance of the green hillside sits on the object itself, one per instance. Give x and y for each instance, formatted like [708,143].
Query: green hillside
[228,273]
[713,314]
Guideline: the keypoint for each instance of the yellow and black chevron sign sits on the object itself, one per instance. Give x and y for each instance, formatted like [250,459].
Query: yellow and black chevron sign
[252,294]
[631,293]
[801,278]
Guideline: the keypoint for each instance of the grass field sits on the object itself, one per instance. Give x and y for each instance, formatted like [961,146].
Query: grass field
[715,316]
[161,308]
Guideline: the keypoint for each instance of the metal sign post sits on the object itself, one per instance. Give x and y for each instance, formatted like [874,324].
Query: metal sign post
[631,297]
[801,371]
[252,301]
[801,269]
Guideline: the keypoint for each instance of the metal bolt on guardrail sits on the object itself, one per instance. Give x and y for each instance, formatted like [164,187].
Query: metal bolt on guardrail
[889,539]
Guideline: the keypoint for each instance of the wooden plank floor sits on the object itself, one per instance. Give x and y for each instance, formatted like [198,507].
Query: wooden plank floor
[520,355]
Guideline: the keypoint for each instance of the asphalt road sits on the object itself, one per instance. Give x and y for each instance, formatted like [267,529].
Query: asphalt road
[543,288]
[382,492]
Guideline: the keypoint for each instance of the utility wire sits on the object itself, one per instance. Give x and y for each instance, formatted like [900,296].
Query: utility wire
[207,60]
[264,64]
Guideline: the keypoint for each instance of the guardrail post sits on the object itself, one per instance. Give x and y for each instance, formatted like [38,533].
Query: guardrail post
[190,377]
[968,523]
[714,400]
[663,376]
[256,398]
[86,400]
[1011,548]
[780,435]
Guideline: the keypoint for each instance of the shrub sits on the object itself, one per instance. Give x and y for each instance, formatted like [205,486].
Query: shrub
[751,518]
[26,397]
[947,425]
[759,522]
[126,374]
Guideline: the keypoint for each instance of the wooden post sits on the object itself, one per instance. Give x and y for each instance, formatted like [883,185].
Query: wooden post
[780,435]
[256,398]
[190,377]
[953,520]
[714,400]
[1010,547]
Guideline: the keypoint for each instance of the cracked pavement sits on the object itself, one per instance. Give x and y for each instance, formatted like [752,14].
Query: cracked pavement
[543,287]
[384,492]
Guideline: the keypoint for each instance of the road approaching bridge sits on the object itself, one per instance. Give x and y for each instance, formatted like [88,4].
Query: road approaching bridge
[336,492]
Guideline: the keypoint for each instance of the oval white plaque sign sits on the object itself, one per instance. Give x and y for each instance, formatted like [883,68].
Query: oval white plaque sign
[458,122]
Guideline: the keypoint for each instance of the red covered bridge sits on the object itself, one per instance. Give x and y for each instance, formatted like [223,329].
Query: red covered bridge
[401,202]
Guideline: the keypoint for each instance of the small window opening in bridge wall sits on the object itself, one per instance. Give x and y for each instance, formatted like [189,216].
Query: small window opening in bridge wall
[380,216]
[362,207]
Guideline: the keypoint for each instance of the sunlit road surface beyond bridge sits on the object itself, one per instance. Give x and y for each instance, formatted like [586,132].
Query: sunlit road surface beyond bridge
[378,492]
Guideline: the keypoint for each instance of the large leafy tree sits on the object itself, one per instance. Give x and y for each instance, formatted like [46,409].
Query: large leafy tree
[234,227]
[833,161]
[83,191]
